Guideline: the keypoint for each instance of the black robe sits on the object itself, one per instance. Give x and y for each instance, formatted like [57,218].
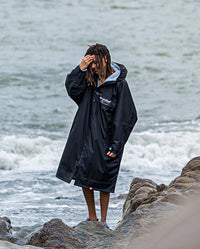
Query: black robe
[103,122]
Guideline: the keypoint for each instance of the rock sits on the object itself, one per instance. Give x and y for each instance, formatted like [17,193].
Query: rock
[94,234]
[21,236]
[55,234]
[144,191]
[5,228]
[175,198]
[189,178]
[180,231]
[192,166]
[8,233]
[141,192]
[8,245]
[148,204]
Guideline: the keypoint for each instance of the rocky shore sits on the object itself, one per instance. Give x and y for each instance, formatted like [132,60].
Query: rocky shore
[147,205]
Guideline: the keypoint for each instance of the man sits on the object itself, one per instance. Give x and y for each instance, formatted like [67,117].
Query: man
[104,120]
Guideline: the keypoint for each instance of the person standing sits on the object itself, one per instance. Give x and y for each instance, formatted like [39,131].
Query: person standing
[103,122]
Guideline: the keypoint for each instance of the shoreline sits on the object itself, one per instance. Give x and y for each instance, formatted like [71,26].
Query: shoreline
[147,204]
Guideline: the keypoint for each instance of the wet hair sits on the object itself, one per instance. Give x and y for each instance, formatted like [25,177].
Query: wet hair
[100,51]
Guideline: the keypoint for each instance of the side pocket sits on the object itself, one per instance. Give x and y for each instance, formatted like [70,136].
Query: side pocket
[106,157]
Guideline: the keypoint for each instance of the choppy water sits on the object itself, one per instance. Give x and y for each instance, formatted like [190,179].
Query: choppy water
[40,42]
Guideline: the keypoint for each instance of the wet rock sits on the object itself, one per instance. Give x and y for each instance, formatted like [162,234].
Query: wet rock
[94,234]
[161,187]
[5,228]
[144,191]
[62,198]
[189,178]
[148,204]
[9,234]
[141,192]
[6,244]
[55,234]
[179,232]
[21,236]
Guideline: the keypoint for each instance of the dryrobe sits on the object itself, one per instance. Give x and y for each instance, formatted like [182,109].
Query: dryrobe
[104,120]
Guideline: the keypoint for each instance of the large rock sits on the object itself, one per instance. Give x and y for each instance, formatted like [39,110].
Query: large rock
[55,234]
[181,231]
[144,191]
[5,228]
[146,205]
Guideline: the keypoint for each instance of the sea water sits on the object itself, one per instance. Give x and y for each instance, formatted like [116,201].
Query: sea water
[40,42]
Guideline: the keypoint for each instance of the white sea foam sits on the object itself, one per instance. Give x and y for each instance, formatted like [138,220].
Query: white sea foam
[146,153]
[29,154]
[160,154]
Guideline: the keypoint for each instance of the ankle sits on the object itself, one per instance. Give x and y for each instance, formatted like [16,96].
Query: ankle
[93,218]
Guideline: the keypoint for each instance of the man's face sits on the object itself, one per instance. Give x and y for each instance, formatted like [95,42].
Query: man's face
[95,65]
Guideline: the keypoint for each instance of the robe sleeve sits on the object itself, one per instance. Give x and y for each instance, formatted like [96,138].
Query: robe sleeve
[76,84]
[124,118]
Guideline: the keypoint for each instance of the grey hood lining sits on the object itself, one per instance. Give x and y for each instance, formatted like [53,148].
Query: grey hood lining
[115,75]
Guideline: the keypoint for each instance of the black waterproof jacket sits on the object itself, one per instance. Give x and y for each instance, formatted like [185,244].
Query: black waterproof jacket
[104,120]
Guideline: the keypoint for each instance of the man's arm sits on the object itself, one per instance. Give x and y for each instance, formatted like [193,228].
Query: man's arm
[75,82]
[124,119]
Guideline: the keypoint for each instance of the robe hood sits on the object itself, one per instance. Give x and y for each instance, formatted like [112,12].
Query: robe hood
[120,73]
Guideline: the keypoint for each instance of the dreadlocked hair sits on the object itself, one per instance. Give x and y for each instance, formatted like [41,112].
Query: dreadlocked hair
[100,51]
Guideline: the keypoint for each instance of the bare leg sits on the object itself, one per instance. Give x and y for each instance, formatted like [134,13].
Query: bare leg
[104,201]
[89,197]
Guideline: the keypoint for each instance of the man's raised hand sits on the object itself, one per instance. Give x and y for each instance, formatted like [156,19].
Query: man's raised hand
[86,61]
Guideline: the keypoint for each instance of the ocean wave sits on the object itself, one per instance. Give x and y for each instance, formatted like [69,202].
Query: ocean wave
[146,153]
[28,154]
[159,155]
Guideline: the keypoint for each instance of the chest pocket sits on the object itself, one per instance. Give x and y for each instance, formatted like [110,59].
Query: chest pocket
[106,102]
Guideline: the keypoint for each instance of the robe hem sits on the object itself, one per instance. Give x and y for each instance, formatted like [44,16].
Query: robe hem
[93,188]
[96,185]
[63,179]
